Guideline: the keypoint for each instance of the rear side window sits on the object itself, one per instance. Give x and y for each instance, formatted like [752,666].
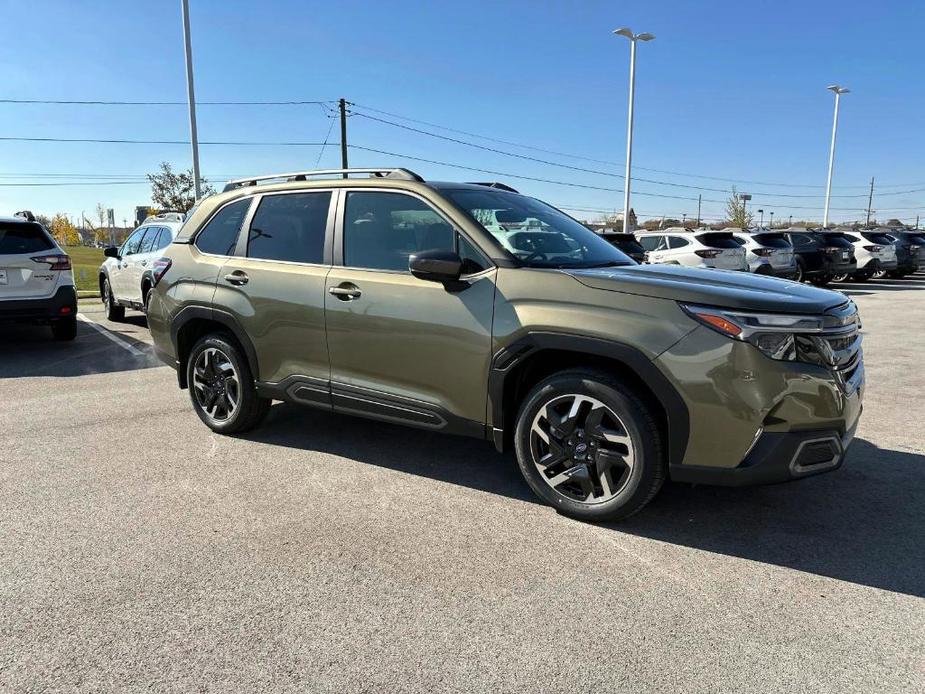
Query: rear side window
[772,240]
[650,243]
[149,240]
[801,239]
[678,242]
[164,239]
[220,235]
[290,227]
[719,240]
[23,237]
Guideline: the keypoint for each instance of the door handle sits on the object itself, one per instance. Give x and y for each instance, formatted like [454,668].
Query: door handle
[237,278]
[345,291]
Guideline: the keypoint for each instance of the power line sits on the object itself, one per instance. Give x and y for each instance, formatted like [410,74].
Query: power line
[158,103]
[607,161]
[599,172]
[567,183]
[239,143]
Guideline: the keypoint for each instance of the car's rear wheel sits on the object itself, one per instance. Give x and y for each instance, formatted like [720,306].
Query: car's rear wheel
[840,277]
[221,386]
[800,273]
[879,274]
[64,329]
[589,446]
[114,312]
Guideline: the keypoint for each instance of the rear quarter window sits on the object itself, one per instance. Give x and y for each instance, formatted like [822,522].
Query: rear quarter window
[220,234]
[23,237]
[841,240]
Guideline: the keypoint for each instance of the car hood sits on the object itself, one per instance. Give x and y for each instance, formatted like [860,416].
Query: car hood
[722,288]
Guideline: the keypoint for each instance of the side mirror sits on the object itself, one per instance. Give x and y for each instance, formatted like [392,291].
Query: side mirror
[111,252]
[436,266]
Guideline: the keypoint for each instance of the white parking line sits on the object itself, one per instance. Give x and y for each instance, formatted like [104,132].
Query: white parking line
[115,338]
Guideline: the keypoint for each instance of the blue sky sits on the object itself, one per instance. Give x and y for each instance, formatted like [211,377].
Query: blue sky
[728,91]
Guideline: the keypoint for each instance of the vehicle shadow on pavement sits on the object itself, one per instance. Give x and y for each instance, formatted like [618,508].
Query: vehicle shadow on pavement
[874,286]
[861,524]
[27,351]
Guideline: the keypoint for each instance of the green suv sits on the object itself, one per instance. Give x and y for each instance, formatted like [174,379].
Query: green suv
[470,309]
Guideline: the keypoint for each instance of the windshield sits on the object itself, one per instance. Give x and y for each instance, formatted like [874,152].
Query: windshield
[535,233]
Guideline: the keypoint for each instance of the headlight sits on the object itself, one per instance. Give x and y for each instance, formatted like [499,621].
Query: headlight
[778,335]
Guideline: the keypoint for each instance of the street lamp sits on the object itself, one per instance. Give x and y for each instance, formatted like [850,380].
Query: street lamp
[623,31]
[772,220]
[194,137]
[828,186]
[761,222]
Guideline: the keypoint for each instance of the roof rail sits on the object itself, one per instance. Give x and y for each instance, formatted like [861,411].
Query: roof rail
[403,174]
[494,184]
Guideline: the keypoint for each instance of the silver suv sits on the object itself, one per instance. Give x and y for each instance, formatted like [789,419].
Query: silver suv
[36,280]
[126,274]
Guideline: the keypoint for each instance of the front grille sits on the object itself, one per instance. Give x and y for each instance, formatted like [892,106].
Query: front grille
[837,347]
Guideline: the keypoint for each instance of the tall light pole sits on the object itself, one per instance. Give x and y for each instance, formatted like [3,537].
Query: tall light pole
[772,220]
[633,38]
[194,137]
[761,223]
[828,186]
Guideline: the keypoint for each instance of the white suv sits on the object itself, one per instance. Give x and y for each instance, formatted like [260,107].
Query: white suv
[700,248]
[125,275]
[875,253]
[36,281]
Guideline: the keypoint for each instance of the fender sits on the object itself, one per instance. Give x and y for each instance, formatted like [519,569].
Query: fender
[504,361]
[226,320]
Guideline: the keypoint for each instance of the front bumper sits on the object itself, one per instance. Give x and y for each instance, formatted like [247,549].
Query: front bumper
[755,420]
[776,457]
[63,304]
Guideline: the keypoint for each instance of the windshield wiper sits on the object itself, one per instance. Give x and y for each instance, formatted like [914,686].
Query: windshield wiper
[607,263]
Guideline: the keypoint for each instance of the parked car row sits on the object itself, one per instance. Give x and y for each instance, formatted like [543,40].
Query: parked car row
[818,256]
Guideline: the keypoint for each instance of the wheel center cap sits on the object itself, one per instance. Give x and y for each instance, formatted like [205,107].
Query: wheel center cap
[581,448]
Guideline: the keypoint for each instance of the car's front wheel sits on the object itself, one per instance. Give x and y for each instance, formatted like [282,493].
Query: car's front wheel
[221,386]
[589,446]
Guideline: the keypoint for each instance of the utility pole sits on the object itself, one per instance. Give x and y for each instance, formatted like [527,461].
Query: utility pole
[870,200]
[699,196]
[194,137]
[342,104]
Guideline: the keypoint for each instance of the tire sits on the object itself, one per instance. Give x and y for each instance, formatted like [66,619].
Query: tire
[114,312]
[221,386]
[800,273]
[821,280]
[609,417]
[840,278]
[895,274]
[146,292]
[64,329]
[879,274]
[862,277]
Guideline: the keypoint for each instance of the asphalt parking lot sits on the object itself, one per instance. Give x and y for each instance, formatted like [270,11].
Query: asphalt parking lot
[139,551]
